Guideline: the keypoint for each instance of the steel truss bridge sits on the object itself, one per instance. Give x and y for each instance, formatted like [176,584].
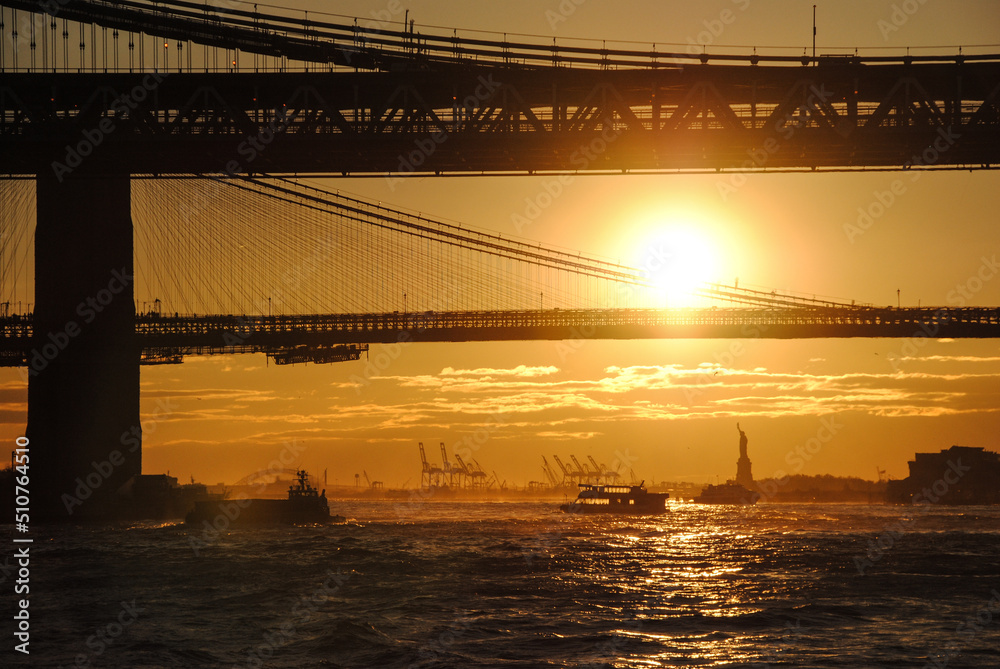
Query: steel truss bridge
[336,338]
[457,284]
[317,94]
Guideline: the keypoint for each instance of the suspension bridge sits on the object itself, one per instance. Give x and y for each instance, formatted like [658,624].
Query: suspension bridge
[119,250]
[304,274]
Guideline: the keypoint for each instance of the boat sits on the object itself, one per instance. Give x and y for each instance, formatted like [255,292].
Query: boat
[617,499]
[726,493]
[305,505]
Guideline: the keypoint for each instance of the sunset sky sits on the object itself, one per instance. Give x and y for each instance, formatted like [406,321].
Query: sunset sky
[669,407]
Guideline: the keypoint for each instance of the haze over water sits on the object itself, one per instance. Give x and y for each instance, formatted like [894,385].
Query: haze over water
[441,584]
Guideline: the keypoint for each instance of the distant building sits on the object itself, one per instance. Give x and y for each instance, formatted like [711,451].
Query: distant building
[958,475]
[158,496]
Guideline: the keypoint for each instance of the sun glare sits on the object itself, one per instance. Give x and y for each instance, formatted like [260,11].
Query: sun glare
[676,258]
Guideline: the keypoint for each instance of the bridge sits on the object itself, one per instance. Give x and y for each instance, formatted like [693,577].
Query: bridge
[342,337]
[181,87]
[339,337]
[101,102]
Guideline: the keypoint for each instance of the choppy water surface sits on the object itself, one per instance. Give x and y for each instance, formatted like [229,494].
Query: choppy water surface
[522,585]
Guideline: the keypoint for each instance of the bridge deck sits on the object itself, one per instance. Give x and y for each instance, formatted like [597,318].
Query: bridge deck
[711,117]
[224,334]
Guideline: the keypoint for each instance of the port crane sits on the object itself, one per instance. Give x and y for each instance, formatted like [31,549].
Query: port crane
[566,474]
[480,478]
[573,477]
[549,474]
[582,472]
[597,467]
[429,475]
[447,468]
[372,485]
[603,471]
[459,473]
[468,472]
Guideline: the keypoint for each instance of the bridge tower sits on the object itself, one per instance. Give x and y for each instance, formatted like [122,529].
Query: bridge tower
[83,384]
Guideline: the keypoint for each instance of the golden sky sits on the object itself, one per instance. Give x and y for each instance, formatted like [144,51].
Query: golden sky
[669,407]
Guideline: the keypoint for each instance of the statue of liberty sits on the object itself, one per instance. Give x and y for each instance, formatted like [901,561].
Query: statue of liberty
[743,474]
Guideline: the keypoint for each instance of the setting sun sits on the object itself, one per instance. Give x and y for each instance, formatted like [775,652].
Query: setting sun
[676,258]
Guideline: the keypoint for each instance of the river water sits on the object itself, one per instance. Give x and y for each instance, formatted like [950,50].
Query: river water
[444,584]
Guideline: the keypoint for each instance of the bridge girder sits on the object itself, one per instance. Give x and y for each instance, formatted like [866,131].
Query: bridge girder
[705,117]
[342,337]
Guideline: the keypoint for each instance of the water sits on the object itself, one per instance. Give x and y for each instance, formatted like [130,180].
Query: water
[521,585]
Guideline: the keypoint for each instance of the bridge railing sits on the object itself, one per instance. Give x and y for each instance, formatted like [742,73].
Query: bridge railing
[339,337]
[19,328]
[303,40]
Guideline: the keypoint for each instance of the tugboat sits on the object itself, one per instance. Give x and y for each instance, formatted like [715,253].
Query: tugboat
[726,493]
[305,505]
[617,499]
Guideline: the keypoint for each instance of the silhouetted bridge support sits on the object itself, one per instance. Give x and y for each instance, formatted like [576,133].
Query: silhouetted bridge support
[83,385]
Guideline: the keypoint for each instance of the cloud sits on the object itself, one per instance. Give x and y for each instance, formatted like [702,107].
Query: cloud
[951,358]
[522,404]
[521,371]
[552,435]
